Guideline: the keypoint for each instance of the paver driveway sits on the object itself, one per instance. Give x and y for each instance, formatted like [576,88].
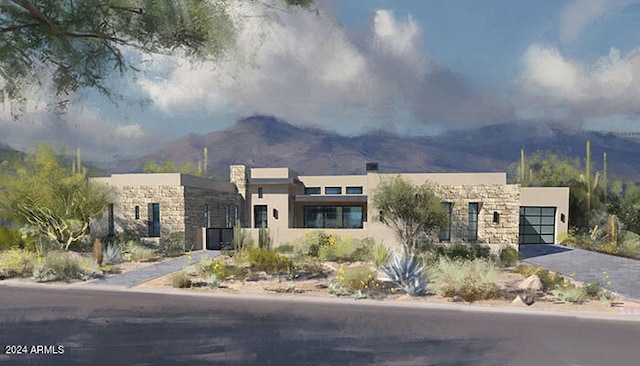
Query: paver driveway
[624,273]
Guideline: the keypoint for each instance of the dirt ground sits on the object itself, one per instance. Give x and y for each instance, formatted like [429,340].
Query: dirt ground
[264,284]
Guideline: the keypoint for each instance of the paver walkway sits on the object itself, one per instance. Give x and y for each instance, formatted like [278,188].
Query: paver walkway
[624,273]
[135,277]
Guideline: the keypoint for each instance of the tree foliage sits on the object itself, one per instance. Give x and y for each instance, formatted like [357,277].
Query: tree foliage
[408,210]
[40,190]
[76,44]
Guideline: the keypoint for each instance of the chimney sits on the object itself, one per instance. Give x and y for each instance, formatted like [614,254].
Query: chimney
[372,167]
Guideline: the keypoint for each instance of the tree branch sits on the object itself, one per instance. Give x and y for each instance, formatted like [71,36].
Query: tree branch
[18,27]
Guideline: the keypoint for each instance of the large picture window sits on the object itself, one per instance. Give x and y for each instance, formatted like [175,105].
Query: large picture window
[333,217]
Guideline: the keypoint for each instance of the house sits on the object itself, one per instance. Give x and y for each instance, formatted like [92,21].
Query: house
[483,208]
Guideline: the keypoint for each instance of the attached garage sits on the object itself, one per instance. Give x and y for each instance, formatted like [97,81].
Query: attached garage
[537,225]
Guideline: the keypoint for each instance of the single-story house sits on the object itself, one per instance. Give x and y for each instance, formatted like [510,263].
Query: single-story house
[483,208]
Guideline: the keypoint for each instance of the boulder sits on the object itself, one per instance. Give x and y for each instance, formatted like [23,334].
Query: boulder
[527,300]
[530,285]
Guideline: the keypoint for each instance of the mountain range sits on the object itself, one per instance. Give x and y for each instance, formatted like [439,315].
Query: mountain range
[264,141]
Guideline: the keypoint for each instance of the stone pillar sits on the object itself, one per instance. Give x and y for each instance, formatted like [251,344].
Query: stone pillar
[239,175]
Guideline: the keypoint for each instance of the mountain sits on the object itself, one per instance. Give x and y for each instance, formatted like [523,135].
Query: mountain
[262,141]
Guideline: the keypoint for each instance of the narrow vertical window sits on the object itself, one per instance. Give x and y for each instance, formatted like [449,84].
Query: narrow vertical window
[260,193]
[473,221]
[154,220]
[206,215]
[227,216]
[137,212]
[236,217]
[445,231]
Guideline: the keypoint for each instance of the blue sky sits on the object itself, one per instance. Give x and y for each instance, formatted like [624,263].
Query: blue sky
[406,66]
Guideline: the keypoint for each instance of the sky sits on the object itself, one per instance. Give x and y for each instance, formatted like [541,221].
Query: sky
[413,67]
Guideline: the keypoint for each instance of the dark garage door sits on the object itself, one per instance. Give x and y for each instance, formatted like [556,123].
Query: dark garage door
[537,225]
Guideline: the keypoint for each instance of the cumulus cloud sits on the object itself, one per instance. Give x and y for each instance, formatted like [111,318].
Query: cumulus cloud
[581,13]
[608,86]
[306,68]
[83,127]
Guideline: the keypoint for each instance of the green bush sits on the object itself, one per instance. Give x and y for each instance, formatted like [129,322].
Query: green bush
[311,242]
[181,280]
[526,269]
[592,290]
[464,251]
[472,280]
[208,266]
[310,265]
[550,281]
[10,238]
[509,256]
[576,295]
[261,259]
[17,262]
[172,245]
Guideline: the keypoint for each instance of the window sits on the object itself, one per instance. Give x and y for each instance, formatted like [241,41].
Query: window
[137,212]
[473,221]
[154,220]
[112,229]
[235,215]
[227,216]
[260,193]
[445,232]
[333,217]
[354,190]
[260,216]
[312,190]
[333,190]
[496,217]
[206,215]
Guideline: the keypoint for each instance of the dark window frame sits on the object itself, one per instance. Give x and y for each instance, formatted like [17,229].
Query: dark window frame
[445,232]
[154,219]
[312,190]
[354,190]
[334,190]
[258,216]
[326,210]
[473,218]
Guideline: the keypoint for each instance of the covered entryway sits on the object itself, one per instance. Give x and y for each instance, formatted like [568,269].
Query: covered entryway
[537,225]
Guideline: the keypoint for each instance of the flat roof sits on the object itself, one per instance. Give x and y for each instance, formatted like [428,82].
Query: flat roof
[329,198]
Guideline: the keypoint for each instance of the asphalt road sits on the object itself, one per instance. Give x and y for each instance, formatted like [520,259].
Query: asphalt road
[128,328]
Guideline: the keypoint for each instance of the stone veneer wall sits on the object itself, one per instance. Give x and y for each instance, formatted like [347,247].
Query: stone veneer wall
[238,175]
[504,199]
[172,209]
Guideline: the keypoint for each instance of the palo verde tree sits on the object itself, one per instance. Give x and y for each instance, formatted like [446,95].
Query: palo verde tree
[68,44]
[41,190]
[408,210]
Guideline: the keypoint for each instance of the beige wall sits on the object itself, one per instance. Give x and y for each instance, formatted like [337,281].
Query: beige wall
[549,197]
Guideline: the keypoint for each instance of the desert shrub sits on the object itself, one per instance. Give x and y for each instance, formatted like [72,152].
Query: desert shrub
[138,251]
[66,266]
[306,264]
[172,245]
[592,290]
[261,259]
[357,281]
[572,294]
[311,242]
[264,238]
[472,280]
[241,238]
[550,280]
[463,251]
[285,249]
[380,255]
[213,281]
[526,269]
[208,266]
[407,271]
[17,262]
[181,280]
[509,256]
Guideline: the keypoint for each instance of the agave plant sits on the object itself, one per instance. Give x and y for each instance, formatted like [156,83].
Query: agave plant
[408,272]
[112,254]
